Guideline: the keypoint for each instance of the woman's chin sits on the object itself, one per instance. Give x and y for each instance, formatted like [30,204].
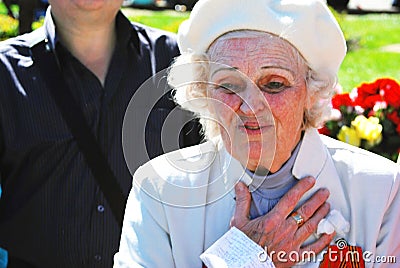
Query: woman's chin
[255,157]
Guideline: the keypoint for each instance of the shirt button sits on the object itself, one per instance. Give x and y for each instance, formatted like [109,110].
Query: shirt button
[97,257]
[100,208]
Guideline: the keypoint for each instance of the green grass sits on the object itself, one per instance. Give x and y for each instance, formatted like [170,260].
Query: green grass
[369,61]
[168,20]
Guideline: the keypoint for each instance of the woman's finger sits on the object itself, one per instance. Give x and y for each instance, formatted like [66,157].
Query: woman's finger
[242,209]
[311,225]
[316,247]
[311,205]
[289,201]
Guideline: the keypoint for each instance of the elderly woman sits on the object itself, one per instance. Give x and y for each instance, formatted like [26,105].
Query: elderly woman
[260,75]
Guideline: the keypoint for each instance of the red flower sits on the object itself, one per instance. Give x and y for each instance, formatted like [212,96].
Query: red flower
[324,130]
[384,89]
[369,101]
[370,88]
[341,100]
[381,101]
[390,91]
[394,117]
[368,94]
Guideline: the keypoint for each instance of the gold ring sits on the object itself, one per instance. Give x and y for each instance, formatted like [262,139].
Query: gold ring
[298,218]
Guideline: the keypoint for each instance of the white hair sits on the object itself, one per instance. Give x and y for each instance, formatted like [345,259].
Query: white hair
[189,76]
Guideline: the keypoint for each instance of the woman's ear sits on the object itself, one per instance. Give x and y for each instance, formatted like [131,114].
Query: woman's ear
[311,96]
[310,101]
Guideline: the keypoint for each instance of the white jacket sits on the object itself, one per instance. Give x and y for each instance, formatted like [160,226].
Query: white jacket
[167,223]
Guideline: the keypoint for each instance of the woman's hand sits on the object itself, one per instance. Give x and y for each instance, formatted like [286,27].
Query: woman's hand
[277,231]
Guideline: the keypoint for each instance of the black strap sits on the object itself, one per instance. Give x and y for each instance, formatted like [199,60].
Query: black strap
[74,117]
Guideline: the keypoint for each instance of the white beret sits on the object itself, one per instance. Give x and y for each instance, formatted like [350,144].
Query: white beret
[307,24]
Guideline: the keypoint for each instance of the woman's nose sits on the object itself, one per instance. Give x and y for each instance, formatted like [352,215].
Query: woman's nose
[253,102]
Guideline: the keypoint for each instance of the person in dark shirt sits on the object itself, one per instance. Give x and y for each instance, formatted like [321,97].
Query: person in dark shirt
[52,210]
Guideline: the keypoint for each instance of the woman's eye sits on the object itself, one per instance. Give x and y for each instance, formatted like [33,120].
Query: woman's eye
[228,88]
[274,87]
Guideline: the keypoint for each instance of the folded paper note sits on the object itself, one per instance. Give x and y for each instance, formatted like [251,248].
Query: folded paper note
[233,250]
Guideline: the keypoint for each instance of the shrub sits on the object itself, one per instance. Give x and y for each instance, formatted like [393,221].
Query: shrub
[8,27]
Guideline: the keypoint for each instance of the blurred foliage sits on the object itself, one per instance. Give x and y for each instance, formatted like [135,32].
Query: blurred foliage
[168,20]
[38,23]
[374,43]
[8,27]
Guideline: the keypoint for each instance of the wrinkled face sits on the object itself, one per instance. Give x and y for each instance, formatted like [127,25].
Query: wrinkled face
[258,97]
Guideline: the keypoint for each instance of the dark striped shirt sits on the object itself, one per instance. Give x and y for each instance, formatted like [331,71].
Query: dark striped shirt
[52,212]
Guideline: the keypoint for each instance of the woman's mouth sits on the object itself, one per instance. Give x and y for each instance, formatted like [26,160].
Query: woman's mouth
[252,127]
[255,125]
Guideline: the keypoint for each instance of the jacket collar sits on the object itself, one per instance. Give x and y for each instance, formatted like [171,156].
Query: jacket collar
[50,28]
[312,156]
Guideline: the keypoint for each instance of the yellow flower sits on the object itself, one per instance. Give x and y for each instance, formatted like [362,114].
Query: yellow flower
[368,129]
[349,135]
